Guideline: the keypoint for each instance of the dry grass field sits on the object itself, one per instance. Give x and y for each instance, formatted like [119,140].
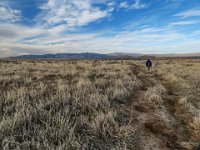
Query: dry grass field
[99,105]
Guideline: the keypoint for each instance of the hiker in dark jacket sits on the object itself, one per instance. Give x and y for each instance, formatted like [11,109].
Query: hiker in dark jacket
[149,64]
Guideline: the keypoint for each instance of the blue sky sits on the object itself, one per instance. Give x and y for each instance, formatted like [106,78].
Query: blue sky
[103,26]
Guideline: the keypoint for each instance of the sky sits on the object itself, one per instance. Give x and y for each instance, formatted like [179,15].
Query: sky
[100,26]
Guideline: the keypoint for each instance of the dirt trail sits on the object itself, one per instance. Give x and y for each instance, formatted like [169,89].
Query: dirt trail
[156,126]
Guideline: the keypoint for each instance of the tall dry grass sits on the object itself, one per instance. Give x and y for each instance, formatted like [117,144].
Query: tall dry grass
[66,104]
[182,77]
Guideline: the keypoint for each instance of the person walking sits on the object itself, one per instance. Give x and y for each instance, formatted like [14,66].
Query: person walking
[149,64]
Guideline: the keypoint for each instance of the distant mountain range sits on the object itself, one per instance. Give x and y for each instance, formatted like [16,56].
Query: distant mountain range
[105,56]
[67,56]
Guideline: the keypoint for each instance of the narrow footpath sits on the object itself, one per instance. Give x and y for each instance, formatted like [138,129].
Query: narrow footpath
[153,113]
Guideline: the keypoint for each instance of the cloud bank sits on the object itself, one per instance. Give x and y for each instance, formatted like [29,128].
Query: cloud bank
[61,26]
[9,15]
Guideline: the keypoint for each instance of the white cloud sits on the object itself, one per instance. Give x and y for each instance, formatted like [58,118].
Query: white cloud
[8,14]
[124,5]
[12,33]
[139,5]
[19,40]
[189,13]
[183,23]
[136,5]
[15,49]
[72,13]
[196,33]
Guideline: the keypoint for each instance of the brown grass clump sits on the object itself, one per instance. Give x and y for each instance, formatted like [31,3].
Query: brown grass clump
[195,125]
[153,95]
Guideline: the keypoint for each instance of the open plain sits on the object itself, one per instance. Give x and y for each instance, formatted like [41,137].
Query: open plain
[99,104]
